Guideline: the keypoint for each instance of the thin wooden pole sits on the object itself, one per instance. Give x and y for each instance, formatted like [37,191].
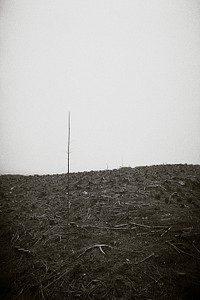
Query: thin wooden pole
[68,160]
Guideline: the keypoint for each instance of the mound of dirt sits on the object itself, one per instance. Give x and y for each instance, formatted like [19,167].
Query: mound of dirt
[130,233]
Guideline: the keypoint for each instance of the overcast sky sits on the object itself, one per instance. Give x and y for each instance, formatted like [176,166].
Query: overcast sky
[127,70]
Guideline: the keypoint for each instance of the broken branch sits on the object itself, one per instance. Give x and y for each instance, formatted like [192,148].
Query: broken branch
[147,226]
[179,250]
[141,261]
[95,246]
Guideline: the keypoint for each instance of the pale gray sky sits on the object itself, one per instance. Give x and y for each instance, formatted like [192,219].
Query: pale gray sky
[127,70]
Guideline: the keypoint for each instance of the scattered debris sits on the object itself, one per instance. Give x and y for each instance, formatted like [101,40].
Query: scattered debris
[112,244]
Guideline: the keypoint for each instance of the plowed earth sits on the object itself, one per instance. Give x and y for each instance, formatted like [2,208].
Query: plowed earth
[131,233]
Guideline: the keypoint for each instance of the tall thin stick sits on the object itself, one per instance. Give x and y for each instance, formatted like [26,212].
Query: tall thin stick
[68,161]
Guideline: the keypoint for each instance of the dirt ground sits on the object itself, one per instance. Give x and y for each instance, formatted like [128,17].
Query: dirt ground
[130,233]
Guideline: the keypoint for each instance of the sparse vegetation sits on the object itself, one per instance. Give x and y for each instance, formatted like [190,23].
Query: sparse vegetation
[132,233]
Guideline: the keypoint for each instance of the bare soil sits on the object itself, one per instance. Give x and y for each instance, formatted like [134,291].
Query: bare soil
[130,233]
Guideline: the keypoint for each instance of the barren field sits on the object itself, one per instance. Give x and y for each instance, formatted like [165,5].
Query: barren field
[130,233]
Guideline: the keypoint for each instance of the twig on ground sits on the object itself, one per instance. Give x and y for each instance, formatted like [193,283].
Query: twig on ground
[179,250]
[107,227]
[22,290]
[40,238]
[196,248]
[20,293]
[88,213]
[95,246]
[147,226]
[95,281]
[46,268]
[172,195]
[141,261]
[168,229]
[23,250]
[155,280]
[118,213]
[176,248]
[155,186]
[106,196]
[56,279]
[121,225]
[15,238]
[41,291]
[101,249]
